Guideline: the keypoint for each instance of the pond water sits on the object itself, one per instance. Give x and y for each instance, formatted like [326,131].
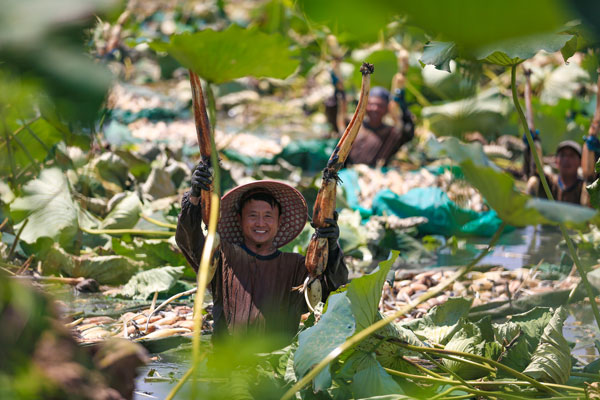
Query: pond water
[515,249]
[518,248]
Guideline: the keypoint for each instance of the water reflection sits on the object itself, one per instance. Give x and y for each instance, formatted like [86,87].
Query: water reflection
[516,249]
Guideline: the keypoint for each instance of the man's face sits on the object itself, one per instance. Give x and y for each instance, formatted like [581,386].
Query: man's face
[376,109]
[568,161]
[260,222]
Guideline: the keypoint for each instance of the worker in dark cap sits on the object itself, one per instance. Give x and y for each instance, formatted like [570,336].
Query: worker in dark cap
[378,142]
[565,186]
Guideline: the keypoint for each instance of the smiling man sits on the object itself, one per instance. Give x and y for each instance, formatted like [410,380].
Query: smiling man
[254,285]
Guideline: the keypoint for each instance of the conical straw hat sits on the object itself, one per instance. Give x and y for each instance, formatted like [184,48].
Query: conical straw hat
[294,212]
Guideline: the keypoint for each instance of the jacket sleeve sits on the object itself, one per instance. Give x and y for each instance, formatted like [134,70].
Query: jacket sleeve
[336,273]
[189,235]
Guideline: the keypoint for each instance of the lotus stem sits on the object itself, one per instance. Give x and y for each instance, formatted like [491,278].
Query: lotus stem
[11,160]
[210,242]
[596,377]
[169,300]
[360,336]
[157,222]
[448,370]
[444,353]
[136,232]
[183,379]
[563,229]
[16,241]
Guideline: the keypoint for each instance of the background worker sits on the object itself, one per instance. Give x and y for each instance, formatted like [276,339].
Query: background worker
[565,186]
[377,142]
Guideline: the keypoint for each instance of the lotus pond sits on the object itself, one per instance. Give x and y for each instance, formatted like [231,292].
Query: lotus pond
[462,286]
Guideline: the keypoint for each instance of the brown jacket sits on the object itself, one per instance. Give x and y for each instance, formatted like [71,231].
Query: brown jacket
[576,194]
[373,146]
[253,292]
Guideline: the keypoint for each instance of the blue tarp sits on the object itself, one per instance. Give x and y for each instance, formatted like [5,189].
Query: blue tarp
[445,217]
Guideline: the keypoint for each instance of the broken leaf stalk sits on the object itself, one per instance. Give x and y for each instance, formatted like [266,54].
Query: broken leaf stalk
[209,154]
[318,250]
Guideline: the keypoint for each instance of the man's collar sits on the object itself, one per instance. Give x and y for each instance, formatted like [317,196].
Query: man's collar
[271,256]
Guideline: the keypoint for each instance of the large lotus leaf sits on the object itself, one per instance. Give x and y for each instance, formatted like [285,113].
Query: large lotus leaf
[125,214]
[233,53]
[365,293]
[441,322]
[372,380]
[594,191]
[470,23]
[563,82]
[352,233]
[551,361]
[159,184]
[386,66]
[439,54]
[109,270]
[583,38]
[145,283]
[6,194]
[484,113]
[151,252]
[468,339]
[458,151]
[47,205]
[516,50]
[439,84]
[334,327]
[137,165]
[110,167]
[556,211]
[523,331]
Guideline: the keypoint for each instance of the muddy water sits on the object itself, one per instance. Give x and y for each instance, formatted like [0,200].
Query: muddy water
[518,248]
[515,249]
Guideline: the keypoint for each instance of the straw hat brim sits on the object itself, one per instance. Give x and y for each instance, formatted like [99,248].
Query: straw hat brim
[293,217]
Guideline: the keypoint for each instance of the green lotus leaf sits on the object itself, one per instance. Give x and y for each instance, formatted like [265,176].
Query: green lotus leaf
[334,327]
[47,205]
[233,53]
[439,55]
[514,51]
[441,322]
[551,361]
[365,293]
[145,283]
[372,380]
[468,339]
[109,270]
[125,214]
[523,331]
[485,112]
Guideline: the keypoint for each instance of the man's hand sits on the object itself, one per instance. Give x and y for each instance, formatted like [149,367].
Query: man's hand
[331,232]
[201,179]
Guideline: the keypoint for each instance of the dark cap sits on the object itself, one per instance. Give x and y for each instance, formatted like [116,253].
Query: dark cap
[569,144]
[380,92]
